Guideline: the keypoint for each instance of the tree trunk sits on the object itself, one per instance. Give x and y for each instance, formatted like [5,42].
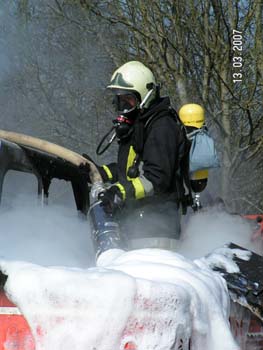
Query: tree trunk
[226,155]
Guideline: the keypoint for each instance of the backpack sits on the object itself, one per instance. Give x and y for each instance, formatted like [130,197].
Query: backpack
[202,154]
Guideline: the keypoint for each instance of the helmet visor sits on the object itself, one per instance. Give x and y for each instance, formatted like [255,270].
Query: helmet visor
[125,102]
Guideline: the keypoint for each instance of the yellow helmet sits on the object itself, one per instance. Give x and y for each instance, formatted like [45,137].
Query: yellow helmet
[192,114]
[135,77]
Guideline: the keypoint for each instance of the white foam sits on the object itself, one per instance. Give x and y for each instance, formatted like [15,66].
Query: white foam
[223,258]
[153,298]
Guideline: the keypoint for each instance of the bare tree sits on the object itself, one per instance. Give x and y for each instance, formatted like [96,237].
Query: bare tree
[62,52]
[57,73]
[209,52]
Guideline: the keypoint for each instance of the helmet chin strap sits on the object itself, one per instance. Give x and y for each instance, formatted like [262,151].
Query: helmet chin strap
[152,89]
[146,98]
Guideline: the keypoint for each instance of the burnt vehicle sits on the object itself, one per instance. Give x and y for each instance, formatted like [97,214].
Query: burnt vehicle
[48,161]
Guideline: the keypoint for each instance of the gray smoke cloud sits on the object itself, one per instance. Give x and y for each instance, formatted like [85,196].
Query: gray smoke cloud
[212,228]
[45,235]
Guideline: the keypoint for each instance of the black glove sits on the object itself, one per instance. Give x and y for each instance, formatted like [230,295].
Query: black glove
[111,199]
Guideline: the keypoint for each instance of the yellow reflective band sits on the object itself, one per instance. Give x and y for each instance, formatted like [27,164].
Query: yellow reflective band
[122,189]
[200,175]
[139,189]
[108,172]
[130,160]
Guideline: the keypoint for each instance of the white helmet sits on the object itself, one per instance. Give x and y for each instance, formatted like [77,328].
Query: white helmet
[135,77]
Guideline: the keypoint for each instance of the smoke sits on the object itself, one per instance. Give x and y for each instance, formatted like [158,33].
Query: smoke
[55,235]
[4,65]
[45,235]
[212,228]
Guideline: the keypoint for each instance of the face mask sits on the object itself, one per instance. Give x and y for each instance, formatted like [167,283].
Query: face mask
[126,103]
[123,126]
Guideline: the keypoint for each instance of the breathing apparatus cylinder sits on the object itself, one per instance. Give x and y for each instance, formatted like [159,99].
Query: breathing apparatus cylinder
[196,202]
[193,117]
[199,180]
[105,230]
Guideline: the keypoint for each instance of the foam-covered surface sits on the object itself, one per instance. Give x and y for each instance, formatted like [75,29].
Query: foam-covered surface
[153,298]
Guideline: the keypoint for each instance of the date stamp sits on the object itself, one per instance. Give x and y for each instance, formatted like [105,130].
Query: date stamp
[237,60]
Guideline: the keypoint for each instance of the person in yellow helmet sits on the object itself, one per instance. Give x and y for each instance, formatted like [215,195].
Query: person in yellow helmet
[192,115]
[146,179]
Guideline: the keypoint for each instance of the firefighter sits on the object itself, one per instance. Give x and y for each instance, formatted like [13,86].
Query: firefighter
[192,116]
[146,179]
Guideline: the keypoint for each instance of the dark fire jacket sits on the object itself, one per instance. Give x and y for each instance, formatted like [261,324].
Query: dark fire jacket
[156,191]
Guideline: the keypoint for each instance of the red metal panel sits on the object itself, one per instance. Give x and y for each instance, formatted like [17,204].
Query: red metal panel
[4,301]
[15,333]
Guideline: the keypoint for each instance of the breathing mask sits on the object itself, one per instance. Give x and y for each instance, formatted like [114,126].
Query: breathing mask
[126,104]
[122,128]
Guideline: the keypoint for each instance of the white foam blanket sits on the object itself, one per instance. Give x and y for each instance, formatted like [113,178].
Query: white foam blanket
[154,299]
